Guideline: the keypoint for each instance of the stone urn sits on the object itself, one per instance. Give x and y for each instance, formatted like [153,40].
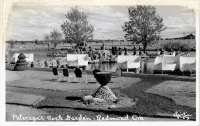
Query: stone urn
[104,92]
[103,77]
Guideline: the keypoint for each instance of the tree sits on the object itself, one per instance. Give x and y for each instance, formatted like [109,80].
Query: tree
[12,43]
[47,40]
[77,27]
[175,46]
[23,43]
[144,25]
[55,37]
[36,42]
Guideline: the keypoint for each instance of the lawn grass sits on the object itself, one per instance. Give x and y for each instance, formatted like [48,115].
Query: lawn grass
[148,104]
[152,104]
[46,80]
[20,98]
[183,93]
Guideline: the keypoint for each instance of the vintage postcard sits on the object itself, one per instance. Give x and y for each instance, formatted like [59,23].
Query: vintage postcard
[92,62]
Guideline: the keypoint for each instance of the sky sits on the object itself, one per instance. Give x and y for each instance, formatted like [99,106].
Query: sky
[27,23]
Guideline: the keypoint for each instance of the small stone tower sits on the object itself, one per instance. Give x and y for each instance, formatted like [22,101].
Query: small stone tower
[21,64]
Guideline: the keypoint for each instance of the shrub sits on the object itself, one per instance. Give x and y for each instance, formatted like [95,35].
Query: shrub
[175,46]
[193,49]
[6,58]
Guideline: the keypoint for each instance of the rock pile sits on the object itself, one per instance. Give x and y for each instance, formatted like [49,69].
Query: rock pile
[105,93]
[104,97]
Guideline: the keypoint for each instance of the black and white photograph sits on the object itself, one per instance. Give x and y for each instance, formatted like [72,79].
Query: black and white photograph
[73,63]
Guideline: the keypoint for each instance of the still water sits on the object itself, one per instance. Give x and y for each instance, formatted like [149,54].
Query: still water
[146,63]
[146,66]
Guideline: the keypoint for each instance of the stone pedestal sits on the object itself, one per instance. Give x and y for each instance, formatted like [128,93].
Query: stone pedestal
[105,93]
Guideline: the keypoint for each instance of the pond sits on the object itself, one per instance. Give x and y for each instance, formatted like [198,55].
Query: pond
[146,66]
[146,63]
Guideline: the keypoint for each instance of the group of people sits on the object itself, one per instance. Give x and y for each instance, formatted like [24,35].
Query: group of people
[103,54]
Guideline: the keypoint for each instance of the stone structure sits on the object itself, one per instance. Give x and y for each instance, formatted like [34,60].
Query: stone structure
[21,64]
[103,97]
[105,93]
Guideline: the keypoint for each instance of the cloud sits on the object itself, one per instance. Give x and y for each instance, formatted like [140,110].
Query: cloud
[107,22]
[33,22]
[183,22]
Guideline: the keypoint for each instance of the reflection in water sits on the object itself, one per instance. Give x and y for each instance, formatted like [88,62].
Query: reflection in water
[146,65]
[102,66]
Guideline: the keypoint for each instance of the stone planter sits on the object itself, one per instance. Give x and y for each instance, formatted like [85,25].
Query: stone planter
[103,77]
